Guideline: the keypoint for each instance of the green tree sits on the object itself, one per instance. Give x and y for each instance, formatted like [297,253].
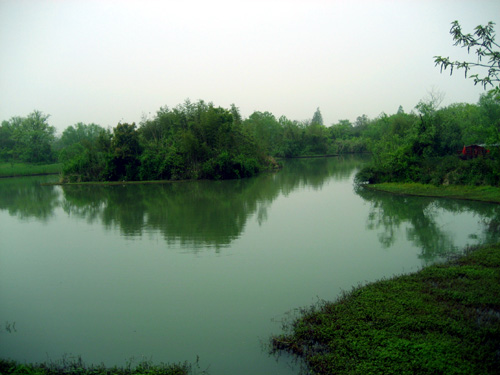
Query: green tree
[488,59]
[190,141]
[125,152]
[33,138]
[92,162]
[79,133]
[266,130]
[317,118]
[235,111]
[341,130]
[7,142]
[76,138]
[316,139]
[489,105]
[292,142]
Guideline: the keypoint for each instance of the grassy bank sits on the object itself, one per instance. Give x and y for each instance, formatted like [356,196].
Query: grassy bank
[479,193]
[444,319]
[25,169]
[76,366]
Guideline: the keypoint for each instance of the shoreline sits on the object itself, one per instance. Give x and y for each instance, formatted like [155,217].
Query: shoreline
[444,318]
[488,194]
[68,366]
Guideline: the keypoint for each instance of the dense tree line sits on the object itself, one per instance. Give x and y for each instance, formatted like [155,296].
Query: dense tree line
[198,140]
[425,146]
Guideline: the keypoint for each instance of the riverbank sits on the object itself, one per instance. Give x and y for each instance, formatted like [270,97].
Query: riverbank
[489,194]
[444,319]
[76,366]
[26,169]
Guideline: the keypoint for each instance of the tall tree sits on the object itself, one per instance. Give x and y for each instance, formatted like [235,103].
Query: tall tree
[79,133]
[266,130]
[125,150]
[235,111]
[34,137]
[317,118]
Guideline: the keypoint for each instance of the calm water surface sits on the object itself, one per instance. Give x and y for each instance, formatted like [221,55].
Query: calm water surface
[210,269]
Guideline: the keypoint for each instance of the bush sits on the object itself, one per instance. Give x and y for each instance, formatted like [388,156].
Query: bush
[161,163]
[448,170]
[87,166]
[224,166]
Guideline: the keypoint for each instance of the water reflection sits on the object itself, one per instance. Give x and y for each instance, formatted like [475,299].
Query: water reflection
[26,199]
[201,214]
[419,217]
[198,213]
[316,172]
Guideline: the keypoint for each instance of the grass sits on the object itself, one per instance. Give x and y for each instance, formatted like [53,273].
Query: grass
[26,169]
[444,319]
[76,366]
[479,193]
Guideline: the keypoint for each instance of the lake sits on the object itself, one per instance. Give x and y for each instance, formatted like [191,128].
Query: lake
[169,272]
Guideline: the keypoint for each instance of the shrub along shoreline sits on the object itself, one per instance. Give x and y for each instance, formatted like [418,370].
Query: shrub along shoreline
[444,319]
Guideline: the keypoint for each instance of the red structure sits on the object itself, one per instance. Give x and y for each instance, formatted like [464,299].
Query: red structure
[473,151]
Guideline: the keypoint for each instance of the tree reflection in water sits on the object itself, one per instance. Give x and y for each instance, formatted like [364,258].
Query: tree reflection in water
[25,198]
[199,214]
[419,215]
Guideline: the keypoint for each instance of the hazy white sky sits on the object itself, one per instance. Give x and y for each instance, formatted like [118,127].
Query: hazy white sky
[110,61]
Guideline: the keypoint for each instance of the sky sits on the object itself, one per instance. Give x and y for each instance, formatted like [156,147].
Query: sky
[105,62]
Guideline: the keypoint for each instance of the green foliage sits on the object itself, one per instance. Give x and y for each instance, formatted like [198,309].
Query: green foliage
[79,133]
[317,118]
[425,148]
[7,142]
[292,141]
[266,129]
[13,169]
[443,319]
[161,163]
[199,140]
[92,163]
[76,366]
[315,138]
[224,166]
[124,153]
[483,43]
[190,141]
[28,139]
[450,170]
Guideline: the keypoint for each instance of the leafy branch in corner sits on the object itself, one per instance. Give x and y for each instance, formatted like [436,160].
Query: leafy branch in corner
[483,42]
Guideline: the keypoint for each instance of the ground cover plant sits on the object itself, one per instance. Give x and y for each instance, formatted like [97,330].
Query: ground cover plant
[478,193]
[27,169]
[444,319]
[76,366]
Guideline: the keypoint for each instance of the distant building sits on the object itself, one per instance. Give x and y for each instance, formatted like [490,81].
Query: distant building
[473,151]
